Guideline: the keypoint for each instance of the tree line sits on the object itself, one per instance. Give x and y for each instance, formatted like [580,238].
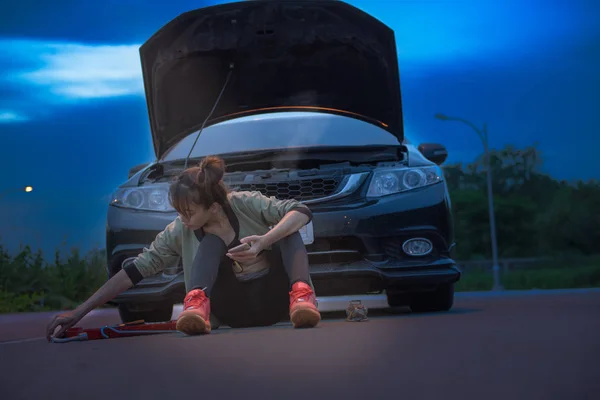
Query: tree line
[536,215]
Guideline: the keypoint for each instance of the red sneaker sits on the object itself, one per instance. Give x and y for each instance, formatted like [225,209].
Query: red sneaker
[303,306]
[195,318]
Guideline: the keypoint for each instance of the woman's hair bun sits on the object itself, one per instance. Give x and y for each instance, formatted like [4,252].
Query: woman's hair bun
[212,169]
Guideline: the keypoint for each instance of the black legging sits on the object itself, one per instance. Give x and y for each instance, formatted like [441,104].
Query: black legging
[257,302]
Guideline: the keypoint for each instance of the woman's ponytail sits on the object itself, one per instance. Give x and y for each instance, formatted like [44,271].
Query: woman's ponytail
[211,171]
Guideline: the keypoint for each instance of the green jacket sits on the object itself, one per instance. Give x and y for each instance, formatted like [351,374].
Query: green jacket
[256,214]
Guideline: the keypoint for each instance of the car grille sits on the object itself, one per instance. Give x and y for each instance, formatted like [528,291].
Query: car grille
[301,190]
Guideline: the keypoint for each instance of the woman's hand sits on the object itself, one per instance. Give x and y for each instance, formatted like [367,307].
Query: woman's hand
[257,244]
[65,321]
[115,285]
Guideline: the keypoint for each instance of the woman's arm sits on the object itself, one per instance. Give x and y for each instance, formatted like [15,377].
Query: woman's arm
[164,250]
[290,223]
[269,210]
[286,217]
[113,287]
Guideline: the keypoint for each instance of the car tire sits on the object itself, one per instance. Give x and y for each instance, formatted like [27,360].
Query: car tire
[397,299]
[162,313]
[440,300]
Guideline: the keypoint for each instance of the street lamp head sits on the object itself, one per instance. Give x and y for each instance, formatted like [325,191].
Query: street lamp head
[28,189]
[441,116]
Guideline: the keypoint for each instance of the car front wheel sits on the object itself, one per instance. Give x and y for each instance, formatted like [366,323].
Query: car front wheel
[440,300]
[160,313]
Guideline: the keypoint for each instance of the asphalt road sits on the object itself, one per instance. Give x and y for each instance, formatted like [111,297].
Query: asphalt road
[513,346]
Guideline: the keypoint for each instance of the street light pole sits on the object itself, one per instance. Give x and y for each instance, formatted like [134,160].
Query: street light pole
[495,267]
[483,135]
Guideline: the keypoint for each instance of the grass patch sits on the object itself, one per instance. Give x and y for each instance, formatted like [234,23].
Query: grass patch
[540,278]
[28,283]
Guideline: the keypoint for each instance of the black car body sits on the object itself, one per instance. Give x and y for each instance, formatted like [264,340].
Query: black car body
[302,100]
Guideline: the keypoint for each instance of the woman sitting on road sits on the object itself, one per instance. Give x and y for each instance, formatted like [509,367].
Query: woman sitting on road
[252,281]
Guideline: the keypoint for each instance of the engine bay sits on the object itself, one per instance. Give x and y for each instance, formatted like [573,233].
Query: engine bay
[290,164]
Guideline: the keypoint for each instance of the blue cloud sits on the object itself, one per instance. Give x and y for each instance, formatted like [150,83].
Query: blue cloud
[45,74]
[8,116]
[51,74]
[106,22]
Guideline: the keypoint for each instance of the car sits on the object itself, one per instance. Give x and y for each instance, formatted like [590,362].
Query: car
[302,100]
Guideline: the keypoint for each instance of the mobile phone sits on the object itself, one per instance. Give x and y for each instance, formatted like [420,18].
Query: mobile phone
[241,247]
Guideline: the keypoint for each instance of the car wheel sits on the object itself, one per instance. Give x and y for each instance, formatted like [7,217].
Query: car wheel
[161,313]
[397,299]
[440,300]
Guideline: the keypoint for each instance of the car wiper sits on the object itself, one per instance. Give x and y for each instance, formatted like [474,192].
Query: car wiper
[328,157]
[307,151]
[156,169]
[252,155]
[232,156]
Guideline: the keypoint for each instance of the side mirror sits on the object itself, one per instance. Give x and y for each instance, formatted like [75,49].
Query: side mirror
[135,169]
[434,152]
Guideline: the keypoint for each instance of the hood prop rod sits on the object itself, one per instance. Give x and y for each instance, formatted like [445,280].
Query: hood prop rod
[209,114]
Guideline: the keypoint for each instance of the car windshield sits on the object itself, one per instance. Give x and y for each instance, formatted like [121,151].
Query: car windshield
[280,130]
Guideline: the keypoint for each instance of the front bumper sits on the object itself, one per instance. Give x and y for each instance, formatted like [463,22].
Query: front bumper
[329,280]
[365,277]
[357,246]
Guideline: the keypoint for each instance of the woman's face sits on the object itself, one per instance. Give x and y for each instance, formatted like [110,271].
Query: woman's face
[198,215]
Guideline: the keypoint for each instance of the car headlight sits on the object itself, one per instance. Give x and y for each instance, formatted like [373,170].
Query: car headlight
[149,198]
[396,180]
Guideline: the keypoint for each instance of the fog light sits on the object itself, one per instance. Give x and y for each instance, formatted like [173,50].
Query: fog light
[417,247]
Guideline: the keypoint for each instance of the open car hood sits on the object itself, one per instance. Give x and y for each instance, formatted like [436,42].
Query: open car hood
[322,54]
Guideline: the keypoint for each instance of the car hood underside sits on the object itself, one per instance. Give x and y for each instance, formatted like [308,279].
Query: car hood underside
[326,55]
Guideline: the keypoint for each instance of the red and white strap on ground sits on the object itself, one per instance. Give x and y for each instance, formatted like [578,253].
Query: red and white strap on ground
[136,328]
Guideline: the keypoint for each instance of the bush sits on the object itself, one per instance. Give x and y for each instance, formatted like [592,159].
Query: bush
[580,273]
[28,283]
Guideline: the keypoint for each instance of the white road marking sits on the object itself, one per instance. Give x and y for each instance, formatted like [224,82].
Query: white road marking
[23,340]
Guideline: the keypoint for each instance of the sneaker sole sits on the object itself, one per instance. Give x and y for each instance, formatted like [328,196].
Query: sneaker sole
[192,325]
[305,318]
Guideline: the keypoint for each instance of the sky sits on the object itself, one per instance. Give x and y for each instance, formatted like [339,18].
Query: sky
[73,116]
